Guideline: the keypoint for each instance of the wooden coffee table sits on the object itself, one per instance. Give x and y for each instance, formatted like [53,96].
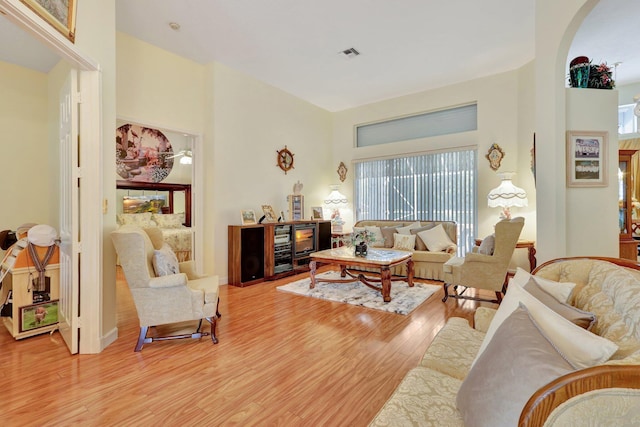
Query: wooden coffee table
[377,258]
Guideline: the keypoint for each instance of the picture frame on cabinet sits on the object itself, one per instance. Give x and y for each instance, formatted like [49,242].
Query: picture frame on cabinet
[316,212]
[248,217]
[38,315]
[269,214]
[587,158]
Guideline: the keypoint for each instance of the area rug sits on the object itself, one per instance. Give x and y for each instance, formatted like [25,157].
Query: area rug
[403,298]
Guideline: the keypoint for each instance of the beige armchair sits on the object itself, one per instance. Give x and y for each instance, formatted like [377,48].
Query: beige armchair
[173,298]
[484,271]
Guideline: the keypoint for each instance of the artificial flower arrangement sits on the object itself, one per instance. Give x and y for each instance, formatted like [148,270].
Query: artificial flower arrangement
[582,71]
[360,240]
[364,236]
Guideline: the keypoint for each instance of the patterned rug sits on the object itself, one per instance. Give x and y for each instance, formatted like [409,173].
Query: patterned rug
[403,298]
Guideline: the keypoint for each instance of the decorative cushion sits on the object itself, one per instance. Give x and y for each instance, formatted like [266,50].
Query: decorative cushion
[518,360]
[436,239]
[378,239]
[169,220]
[139,219]
[580,347]
[407,228]
[420,245]
[404,242]
[560,290]
[582,318]
[165,261]
[488,245]
[387,233]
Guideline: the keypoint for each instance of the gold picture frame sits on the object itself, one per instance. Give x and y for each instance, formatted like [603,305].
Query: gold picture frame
[587,158]
[60,14]
[269,214]
[495,155]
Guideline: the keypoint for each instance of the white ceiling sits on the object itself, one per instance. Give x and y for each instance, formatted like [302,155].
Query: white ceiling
[405,47]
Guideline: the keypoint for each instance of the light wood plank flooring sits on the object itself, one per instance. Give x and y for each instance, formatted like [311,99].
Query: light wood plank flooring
[282,360]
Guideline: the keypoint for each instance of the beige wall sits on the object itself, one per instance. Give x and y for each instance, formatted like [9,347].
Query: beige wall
[26,171]
[158,88]
[587,208]
[242,122]
[499,103]
[251,121]
[95,36]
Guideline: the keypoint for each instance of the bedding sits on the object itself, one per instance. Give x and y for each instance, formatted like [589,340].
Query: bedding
[174,233]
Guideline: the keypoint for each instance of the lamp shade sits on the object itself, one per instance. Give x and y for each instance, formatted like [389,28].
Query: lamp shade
[507,195]
[335,198]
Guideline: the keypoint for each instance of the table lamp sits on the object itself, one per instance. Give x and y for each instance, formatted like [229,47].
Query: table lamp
[336,200]
[507,195]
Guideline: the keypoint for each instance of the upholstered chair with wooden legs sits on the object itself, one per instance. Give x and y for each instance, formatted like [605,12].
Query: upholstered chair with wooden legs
[161,300]
[484,271]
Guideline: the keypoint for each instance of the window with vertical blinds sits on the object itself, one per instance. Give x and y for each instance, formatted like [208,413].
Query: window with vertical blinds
[437,186]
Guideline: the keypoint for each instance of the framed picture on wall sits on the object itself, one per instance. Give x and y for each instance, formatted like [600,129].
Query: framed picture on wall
[586,158]
[61,14]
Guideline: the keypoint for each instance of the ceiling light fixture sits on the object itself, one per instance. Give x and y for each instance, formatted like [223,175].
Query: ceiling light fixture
[174,26]
[350,53]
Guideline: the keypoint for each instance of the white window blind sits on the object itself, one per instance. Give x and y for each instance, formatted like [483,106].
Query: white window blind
[443,122]
[437,187]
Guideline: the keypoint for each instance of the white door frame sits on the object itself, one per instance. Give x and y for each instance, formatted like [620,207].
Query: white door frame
[89,127]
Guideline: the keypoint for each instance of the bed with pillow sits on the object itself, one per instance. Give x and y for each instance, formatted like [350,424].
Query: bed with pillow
[562,349]
[432,242]
[151,204]
[174,232]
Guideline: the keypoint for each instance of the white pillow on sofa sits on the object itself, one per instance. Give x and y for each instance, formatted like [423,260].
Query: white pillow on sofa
[518,361]
[378,238]
[404,242]
[436,239]
[580,347]
[560,290]
[407,228]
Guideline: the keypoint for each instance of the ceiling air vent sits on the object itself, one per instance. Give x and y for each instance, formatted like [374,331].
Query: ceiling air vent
[350,53]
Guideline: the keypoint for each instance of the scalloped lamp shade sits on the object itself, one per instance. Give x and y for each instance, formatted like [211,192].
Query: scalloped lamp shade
[507,195]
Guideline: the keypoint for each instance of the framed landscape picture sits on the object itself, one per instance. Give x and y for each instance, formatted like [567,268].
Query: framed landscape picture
[586,159]
[316,212]
[61,14]
[38,315]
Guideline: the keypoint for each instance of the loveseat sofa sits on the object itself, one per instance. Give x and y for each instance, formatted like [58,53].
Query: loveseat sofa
[427,263]
[463,380]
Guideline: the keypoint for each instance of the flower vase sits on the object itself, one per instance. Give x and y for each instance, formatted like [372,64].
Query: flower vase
[361,250]
[580,75]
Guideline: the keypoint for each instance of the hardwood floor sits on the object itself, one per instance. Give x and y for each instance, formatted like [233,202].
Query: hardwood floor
[282,359]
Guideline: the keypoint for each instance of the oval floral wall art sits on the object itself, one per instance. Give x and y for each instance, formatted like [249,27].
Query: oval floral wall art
[143,154]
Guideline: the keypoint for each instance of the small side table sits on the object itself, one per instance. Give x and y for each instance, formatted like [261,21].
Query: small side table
[340,238]
[529,245]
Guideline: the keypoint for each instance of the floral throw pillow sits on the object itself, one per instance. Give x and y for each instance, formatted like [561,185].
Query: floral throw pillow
[165,261]
[404,242]
[138,219]
[169,220]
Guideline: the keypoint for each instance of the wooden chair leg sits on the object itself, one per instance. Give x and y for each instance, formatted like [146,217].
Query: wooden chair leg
[446,293]
[213,322]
